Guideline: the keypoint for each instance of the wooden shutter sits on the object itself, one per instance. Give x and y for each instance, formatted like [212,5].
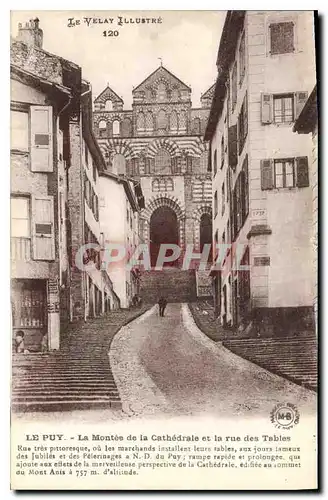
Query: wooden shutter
[43,236]
[266,108]
[266,174]
[41,139]
[302,172]
[232,146]
[300,100]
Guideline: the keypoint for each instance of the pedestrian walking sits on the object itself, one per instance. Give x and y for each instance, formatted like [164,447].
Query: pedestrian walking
[162,303]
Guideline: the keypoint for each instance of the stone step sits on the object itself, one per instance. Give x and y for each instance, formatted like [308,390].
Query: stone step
[64,405]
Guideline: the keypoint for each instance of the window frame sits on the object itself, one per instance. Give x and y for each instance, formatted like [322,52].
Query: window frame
[29,215]
[25,109]
[281,22]
[282,97]
[284,161]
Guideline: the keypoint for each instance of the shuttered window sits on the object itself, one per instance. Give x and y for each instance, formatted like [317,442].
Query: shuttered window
[215,204]
[234,87]
[284,173]
[41,139]
[232,146]
[20,217]
[222,151]
[242,125]
[43,228]
[282,108]
[281,38]
[242,59]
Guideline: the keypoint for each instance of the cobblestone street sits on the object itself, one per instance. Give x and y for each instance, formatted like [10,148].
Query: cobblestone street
[167,365]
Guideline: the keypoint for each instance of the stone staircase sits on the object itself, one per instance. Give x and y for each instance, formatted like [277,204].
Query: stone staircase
[76,377]
[175,284]
[294,358]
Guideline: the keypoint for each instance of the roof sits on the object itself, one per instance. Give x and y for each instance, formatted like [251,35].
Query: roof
[308,117]
[108,92]
[233,25]
[161,69]
[209,92]
[38,81]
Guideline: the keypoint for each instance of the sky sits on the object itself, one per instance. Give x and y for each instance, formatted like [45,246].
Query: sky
[186,41]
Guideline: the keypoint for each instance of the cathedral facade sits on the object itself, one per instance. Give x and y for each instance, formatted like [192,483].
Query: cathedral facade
[159,142]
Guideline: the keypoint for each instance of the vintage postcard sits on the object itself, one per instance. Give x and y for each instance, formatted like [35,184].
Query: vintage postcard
[163,250]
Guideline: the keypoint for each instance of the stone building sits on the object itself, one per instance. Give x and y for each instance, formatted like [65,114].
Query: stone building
[159,143]
[260,170]
[54,193]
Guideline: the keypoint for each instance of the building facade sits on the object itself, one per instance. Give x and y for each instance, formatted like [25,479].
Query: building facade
[54,210]
[260,169]
[159,144]
[307,123]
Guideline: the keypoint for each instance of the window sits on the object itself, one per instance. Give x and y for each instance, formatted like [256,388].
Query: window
[161,120]
[222,151]
[215,204]
[162,184]
[282,38]
[215,163]
[223,239]
[174,121]
[140,122]
[116,127]
[108,105]
[242,59]
[284,173]
[161,91]
[234,87]
[20,217]
[19,130]
[163,162]
[240,199]
[283,108]
[222,199]
[102,128]
[242,125]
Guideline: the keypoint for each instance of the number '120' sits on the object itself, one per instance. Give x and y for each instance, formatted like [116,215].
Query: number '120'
[110,33]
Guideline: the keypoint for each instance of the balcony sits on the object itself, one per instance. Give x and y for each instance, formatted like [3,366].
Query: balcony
[21,249]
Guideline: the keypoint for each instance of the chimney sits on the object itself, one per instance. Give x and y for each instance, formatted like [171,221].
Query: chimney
[31,34]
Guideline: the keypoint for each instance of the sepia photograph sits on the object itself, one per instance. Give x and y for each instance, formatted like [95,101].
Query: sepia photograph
[163,220]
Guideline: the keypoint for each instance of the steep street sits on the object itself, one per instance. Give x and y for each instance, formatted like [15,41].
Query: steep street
[167,365]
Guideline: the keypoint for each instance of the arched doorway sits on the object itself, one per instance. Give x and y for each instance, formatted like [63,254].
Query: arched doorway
[163,229]
[205,232]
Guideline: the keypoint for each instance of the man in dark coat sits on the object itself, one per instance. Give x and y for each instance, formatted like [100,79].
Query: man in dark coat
[162,303]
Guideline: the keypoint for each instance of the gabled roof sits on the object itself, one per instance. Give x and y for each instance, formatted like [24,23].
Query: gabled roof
[108,93]
[161,71]
[209,92]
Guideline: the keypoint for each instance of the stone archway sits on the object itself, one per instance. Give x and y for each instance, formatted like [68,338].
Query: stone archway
[163,228]
[155,203]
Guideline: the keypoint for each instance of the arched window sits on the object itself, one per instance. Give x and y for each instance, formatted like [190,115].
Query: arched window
[126,127]
[174,121]
[161,120]
[196,126]
[161,91]
[119,164]
[102,128]
[183,121]
[116,127]
[149,121]
[140,122]
[163,162]
[108,105]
